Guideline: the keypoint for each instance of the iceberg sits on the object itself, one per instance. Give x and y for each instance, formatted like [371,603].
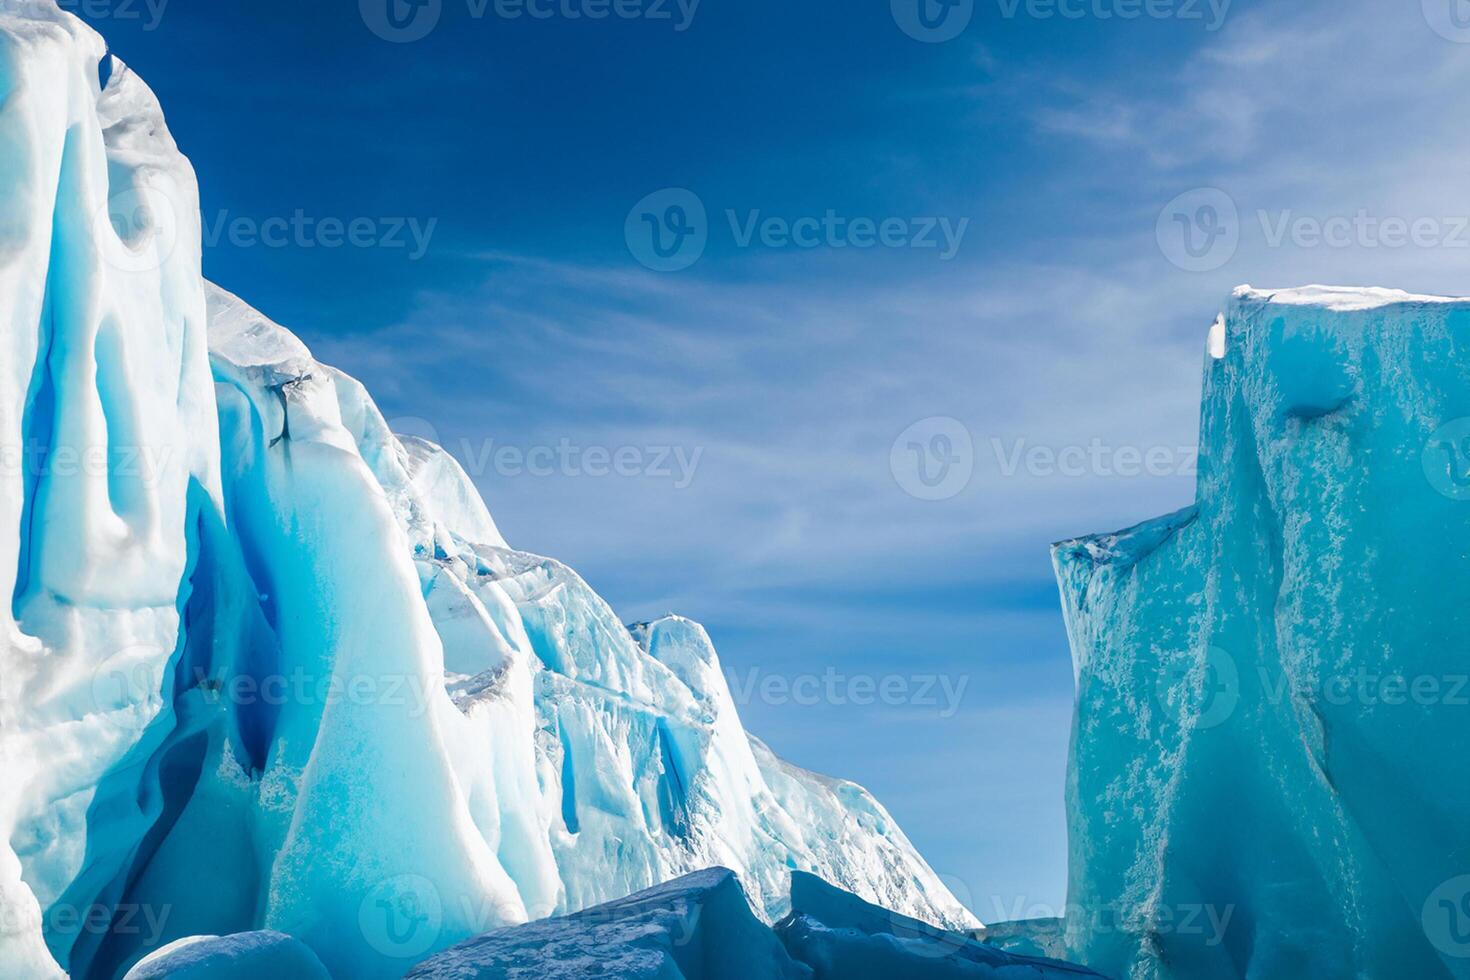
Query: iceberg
[1270,752]
[254,632]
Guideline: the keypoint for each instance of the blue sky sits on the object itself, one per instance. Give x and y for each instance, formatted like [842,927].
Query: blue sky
[1067,147]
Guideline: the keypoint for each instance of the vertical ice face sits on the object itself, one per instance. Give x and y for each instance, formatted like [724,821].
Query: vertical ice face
[107,435]
[1272,744]
[318,497]
[264,665]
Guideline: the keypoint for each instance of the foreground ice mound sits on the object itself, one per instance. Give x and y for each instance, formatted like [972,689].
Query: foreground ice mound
[700,928]
[252,631]
[842,937]
[248,956]
[1271,759]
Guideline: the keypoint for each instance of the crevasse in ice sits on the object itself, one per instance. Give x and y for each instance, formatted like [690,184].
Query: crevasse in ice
[1271,757]
[267,667]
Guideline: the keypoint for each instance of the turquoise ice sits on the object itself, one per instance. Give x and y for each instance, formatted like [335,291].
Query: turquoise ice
[1271,757]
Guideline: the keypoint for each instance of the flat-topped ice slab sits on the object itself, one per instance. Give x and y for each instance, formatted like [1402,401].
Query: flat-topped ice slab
[1341,299]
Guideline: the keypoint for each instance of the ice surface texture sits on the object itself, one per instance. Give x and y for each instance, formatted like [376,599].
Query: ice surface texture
[248,956]
[107,427]
[700,927]
[264,665]
[843,937]
[1271,758]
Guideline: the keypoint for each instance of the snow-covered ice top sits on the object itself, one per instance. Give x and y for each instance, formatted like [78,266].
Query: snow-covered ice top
[1340,299]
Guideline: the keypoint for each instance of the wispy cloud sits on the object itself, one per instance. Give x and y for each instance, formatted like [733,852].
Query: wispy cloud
[1062,325]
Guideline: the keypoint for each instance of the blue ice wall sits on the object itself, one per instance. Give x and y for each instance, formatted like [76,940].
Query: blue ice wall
[1271,755]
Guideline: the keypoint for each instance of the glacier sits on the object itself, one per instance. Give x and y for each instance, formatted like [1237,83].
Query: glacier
[1270,750]
[269,670]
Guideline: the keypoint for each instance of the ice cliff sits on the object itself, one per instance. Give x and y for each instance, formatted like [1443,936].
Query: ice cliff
[1271,756]
[268,667]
